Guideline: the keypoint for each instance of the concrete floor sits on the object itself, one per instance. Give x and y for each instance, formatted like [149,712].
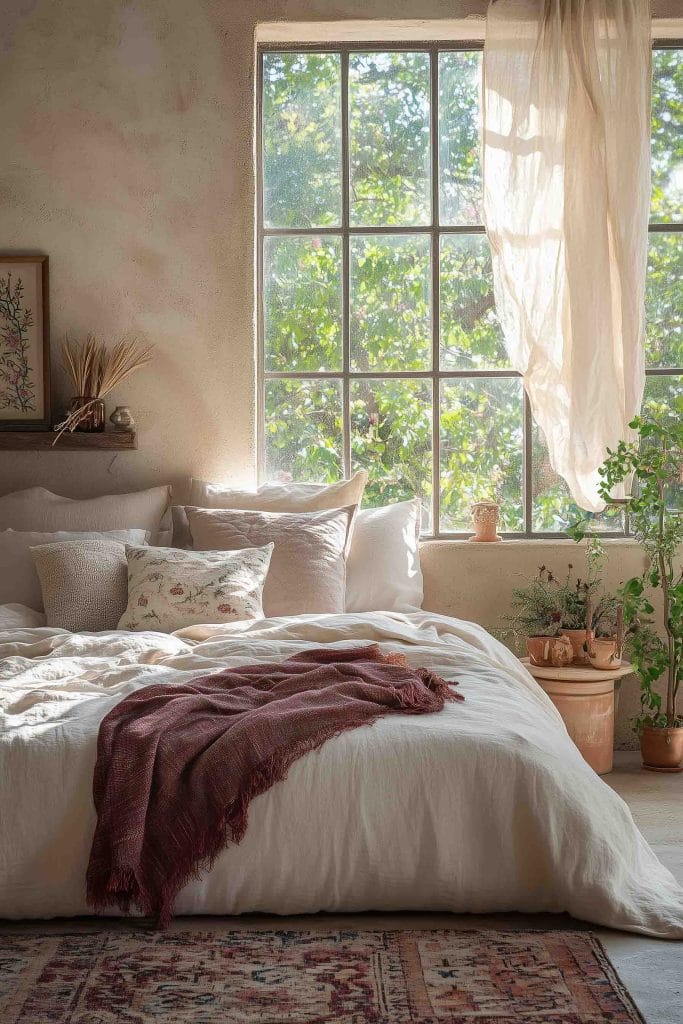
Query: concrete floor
[651,969]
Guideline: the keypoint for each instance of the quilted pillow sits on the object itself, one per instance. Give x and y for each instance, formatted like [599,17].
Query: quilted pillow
[19,583]
[169,589]
[84,583]
[308,568]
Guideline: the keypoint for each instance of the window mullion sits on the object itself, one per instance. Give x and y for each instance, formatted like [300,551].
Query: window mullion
[346,284]
[436,353]
[527,464]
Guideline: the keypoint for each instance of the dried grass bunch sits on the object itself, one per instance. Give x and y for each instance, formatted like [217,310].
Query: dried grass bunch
[95,370]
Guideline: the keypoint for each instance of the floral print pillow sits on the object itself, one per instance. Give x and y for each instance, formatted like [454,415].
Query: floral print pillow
[169,589]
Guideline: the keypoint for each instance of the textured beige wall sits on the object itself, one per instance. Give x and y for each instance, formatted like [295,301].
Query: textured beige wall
[126,156]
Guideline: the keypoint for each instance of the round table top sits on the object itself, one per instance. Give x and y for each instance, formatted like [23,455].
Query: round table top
[577,673]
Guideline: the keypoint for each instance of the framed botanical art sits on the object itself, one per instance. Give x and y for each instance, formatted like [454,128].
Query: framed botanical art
[24,343]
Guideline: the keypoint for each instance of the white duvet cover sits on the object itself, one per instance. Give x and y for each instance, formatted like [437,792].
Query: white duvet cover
[486,806]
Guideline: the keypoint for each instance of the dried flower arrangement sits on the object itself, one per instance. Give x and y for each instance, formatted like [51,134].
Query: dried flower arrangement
[95,370]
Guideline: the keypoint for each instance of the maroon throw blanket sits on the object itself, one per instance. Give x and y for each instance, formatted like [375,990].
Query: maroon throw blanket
[178,764]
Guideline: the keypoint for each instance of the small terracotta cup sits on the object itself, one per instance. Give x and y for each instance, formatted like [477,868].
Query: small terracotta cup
[550,650]
[604,654]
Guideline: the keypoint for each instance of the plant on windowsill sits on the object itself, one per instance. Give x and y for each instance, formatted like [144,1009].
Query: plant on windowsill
[655,462]
[549,614]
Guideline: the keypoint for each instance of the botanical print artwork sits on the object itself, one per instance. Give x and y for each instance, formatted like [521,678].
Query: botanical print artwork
[169,588]
[22,348]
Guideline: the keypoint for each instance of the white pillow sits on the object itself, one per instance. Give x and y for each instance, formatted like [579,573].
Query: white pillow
[169,589]
[39,509]
[383,566]
[19,583]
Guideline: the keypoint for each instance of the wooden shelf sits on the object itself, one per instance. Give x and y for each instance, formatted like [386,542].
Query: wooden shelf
[43,441]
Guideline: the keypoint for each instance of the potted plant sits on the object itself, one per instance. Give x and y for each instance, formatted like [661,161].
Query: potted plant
[654,461]
[549,613]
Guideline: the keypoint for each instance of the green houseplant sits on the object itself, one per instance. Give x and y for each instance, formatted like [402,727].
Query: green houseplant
[549,606]
[655,463]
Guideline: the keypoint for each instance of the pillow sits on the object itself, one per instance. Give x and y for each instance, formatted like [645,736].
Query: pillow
[308,567]
[39,509]
[272,497]
[383,566]
[19,581]
[169,589]
[84,583]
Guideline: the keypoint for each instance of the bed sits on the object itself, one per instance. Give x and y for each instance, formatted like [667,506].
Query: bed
[486,806]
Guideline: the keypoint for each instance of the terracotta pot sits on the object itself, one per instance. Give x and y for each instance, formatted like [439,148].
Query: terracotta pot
[485,515]
[662,748]
[604,654]
[550,650]
[577,638]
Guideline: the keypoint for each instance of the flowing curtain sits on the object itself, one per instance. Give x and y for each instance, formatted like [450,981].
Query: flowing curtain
[566,144]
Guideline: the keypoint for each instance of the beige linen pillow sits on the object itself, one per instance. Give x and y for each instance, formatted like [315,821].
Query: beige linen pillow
[39,509]
[292,497]
[273,497]
[169,589]
[84,583]
[19,583]
[308,567]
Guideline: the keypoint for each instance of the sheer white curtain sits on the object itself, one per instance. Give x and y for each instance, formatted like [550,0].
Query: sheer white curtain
[566,143]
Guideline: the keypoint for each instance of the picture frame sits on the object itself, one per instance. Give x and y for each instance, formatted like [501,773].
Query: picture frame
[24,342]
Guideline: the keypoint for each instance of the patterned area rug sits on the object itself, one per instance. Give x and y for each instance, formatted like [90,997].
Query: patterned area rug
[310,977]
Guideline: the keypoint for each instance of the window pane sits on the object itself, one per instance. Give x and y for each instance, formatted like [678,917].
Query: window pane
[389,138]
[664,301]
[460,189]
[302,303]
[553,509]
[661,394]
[391,319]
[481,450]
[471,338]
[667,135]
[303,429]
[301,139]
[391,437]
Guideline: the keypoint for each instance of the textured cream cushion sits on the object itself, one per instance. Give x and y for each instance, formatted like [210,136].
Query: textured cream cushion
[39,509]
[84,583]
[19,582]
[169,589]
[383,566]
[290,497]
[308,567]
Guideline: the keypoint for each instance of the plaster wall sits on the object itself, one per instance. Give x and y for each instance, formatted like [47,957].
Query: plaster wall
[127,157]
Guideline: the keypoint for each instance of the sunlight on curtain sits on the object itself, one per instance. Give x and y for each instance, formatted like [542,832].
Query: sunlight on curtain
[566,142]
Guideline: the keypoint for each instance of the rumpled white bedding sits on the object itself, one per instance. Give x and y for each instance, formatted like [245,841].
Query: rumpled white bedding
[486,806]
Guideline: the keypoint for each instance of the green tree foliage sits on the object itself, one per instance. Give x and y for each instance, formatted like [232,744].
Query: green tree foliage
[480,420]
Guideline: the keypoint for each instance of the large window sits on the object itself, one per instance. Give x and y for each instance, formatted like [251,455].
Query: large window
[379,345]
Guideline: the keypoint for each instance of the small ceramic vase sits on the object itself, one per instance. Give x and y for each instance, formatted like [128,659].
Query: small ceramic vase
[122,419]
[485,515]
[550,650]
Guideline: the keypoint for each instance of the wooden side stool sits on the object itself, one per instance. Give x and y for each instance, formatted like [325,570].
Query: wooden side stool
[584,696]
